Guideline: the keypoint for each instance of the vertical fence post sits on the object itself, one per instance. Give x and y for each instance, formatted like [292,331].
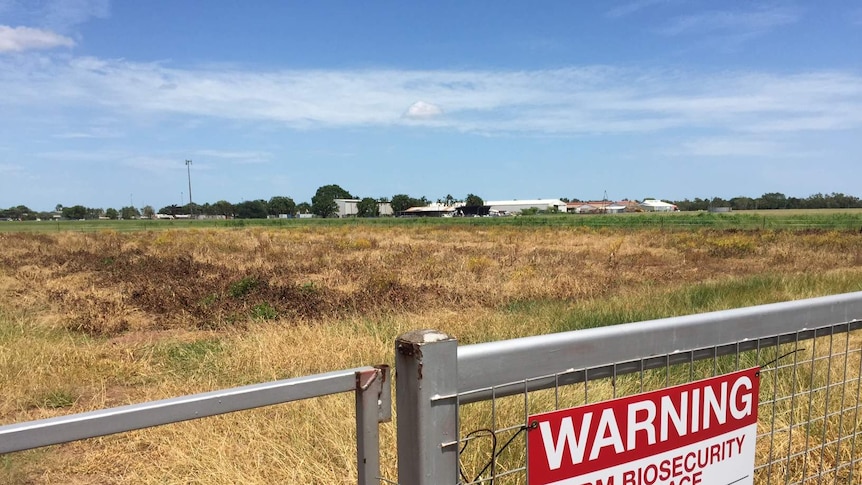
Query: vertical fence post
[373,406]
[426,374]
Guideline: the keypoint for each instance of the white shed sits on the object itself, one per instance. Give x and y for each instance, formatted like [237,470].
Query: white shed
[654,205]
[514,206]
[347,207]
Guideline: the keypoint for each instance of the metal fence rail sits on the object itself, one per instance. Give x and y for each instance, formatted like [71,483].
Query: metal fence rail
[371,386]
[464,409]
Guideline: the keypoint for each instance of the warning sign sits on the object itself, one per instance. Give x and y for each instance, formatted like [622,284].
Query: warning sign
[701,433]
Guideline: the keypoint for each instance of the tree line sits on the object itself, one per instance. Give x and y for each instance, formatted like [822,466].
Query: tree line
[323,205]
[773,200]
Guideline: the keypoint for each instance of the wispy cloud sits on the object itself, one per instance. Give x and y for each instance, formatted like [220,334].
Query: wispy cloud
[739,146]
[570,101]
[19,39]
[734,22]
[161,165]
[65,14]
[629,8]
[55,15]
[10,168]
[93,133]
[240,157]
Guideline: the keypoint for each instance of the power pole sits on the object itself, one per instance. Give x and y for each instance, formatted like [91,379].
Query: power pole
[189,172]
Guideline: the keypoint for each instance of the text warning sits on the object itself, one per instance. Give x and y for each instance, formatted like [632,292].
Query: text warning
[701,433]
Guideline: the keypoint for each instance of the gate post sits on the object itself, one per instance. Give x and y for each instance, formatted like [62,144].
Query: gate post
[373,406]
[426,388]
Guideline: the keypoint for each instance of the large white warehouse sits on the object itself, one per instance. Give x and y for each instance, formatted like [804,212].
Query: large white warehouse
[514,206]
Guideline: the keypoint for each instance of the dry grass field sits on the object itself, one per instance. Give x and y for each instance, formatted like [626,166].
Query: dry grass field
[91,320]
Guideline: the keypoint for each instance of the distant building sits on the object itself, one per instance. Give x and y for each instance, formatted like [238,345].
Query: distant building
[654,205]
[516,206]
[431,210]
[347,207]
[384,208]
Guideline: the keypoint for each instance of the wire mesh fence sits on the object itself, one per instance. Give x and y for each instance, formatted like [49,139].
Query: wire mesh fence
[808,413]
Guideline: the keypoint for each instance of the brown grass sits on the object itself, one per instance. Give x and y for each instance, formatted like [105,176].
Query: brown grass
[104,319]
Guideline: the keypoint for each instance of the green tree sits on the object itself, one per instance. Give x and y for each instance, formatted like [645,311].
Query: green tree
[367,207]
[742,203]
[148,211]
[21,212]
[171,210]
[94,212]
[400,203]
[129,212]
[251,209]
[772,200]
[223,208]
[473,201]
[323,203]
[75,212]
[281,205]
[112,213]
[303,208]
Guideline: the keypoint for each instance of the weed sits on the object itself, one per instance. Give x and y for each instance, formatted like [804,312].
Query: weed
[188,358]
[243,287]
[731,246]
[209,300]
[478,264]
[56,399]
[264,311]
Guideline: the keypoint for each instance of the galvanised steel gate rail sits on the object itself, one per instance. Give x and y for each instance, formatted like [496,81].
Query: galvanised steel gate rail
[371,386]
[810,416]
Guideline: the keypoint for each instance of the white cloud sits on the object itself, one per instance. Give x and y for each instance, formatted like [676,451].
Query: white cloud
[735,146]
[752,21]
[9,168]
[55,15]
[241,157]
[65,14]
[577,100]
[421,110]
[19,39]
[632,7]
[91,133]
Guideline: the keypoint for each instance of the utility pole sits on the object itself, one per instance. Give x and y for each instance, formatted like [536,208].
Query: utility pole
[189,172]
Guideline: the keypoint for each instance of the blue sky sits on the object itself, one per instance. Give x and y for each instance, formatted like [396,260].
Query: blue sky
[102,102]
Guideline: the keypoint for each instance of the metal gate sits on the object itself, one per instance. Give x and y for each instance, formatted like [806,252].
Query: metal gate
[462,411]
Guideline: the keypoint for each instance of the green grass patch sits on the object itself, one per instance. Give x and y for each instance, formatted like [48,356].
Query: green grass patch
[843,219]
[56,399]
[191,358]
[264,311]
[697,298]
[243,287]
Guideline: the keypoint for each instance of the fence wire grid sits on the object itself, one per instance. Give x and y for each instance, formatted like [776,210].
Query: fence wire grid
[808,414]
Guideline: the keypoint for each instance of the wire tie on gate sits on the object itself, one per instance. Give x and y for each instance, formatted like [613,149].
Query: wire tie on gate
[780,357]
[492,463]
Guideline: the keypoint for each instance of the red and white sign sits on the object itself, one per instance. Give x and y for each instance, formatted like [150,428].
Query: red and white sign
[701,433]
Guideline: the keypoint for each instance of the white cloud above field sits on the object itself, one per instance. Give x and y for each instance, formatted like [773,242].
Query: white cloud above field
[61,16]
[632,7]
[422,110]
[20,39]
[567,101]
[8,168]
[237,157]
[756,20]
